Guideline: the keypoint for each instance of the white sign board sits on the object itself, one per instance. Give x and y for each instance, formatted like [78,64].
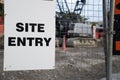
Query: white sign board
[29,35]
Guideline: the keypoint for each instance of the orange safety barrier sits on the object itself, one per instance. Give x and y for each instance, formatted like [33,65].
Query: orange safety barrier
[117,7]
[1,28]
[117,45]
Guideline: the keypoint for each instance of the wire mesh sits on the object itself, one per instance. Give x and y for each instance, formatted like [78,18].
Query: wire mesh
[92,9]
[78,62]
[90,61]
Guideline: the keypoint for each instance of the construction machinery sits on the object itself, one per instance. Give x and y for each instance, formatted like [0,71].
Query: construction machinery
[70,23]
[65,16]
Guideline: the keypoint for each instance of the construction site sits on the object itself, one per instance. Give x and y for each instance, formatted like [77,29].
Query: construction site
[81,43]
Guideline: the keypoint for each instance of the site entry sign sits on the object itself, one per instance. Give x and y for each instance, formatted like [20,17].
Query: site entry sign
[29,35]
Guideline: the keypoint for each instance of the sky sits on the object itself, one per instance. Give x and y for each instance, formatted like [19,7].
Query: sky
[92,10]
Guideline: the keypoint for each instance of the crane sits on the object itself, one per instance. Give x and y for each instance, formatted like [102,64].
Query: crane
[65,15]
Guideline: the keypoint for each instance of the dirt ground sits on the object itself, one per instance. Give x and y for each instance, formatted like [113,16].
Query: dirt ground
[74,64]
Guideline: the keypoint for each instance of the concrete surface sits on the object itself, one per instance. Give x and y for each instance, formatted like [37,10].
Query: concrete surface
[114,77]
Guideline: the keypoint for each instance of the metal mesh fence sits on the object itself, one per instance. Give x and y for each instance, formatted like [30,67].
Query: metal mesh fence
[88,12]
[91,9]
[81,54]
[81,21]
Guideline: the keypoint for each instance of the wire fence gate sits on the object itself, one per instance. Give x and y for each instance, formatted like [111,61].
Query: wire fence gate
[84,34]
[81,21]
[84,21]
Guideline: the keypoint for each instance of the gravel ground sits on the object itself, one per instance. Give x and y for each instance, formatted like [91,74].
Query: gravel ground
[74,64]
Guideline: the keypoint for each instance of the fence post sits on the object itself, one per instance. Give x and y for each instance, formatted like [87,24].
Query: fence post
[105,24]
[108,27]
[110,38]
